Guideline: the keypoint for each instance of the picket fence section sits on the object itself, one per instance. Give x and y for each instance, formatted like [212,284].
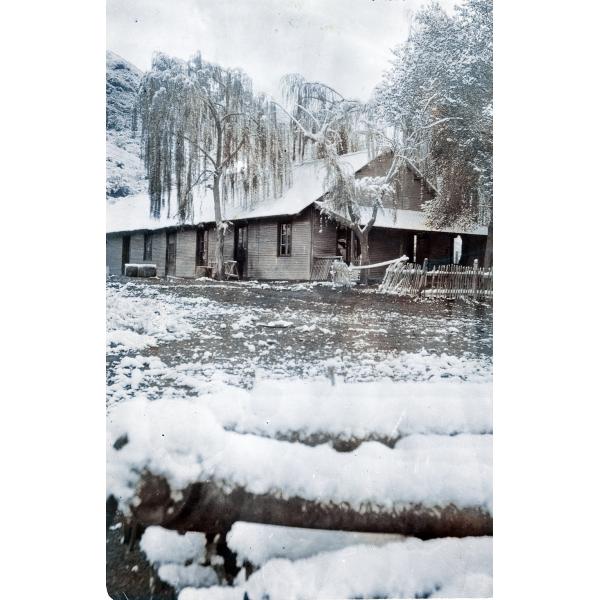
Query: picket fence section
[441,281]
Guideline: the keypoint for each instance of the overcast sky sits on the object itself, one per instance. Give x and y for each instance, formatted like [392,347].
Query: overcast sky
[344,43]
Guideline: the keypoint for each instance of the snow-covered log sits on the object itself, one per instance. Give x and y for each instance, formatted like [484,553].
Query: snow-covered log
[211,508]
[294,410]
[175,465]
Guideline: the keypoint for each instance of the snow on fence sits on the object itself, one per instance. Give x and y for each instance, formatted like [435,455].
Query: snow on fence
[445,281]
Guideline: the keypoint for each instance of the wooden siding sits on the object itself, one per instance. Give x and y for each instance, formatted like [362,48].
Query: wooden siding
[324,234]
[212,244]
[114,253]
[185,259]
[263,262]
[159,251]
[385,244]
[411,190]
[136,250]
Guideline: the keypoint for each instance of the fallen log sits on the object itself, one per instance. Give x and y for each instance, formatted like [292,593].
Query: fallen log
[207,507]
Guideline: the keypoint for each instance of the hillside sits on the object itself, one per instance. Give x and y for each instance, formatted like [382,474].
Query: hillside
[125,173]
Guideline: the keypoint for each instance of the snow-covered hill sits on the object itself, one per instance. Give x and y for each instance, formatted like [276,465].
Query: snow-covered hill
[124,169]
[122,81]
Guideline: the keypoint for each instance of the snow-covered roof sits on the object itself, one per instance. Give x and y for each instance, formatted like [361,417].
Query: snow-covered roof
[396,218]
[133,212]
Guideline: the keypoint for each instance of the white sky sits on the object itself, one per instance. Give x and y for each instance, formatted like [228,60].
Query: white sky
[344,43]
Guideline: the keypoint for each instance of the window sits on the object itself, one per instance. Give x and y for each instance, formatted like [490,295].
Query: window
[201,247]
[284,239]
[147,246]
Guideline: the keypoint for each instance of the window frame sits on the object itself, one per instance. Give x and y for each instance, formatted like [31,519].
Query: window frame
[147,246]
[288,239]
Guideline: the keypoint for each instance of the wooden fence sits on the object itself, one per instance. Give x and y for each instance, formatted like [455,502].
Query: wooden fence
[445,281]
[321,267]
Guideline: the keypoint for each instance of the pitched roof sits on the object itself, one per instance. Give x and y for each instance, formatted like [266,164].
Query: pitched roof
[415,220]
[133,212]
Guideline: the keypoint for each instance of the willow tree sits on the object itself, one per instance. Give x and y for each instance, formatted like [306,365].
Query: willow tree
[331,125]
[202,126]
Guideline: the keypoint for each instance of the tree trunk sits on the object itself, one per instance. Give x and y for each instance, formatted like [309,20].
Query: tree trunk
[220,249]
[210,508]
[363,238]
[489,247]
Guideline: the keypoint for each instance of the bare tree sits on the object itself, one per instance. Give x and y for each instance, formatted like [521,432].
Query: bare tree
[334,125]
[201,125]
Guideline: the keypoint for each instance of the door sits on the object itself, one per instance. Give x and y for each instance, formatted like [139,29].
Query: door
[171,252]
[422,246]
[344,244]
[240,248]
[125,253]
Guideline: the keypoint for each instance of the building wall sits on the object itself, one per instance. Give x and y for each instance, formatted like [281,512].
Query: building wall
[386,244]
[324,234]
[410,189]
[263,262]
[136,249]
[114,253]
[159,251]
[212,244]
[185,259]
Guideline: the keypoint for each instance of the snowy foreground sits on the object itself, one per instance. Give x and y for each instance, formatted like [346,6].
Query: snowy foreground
[308,564]
[260,386]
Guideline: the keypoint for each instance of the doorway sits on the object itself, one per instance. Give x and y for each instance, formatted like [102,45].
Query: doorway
[171,253]
[125,253]
[422,244]
[343,243]
[240,249]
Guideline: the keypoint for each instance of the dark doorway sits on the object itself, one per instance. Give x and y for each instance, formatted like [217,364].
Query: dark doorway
[240,248]
[125,253]
[423,244]
[171,252]
[201,247]
[343,244]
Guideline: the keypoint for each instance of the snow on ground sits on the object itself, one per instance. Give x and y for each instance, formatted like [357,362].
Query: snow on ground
[206,333]
[182,441]
[257,544]
[219,379]
[178,558]
[440,568]
[163,546]
[135,323]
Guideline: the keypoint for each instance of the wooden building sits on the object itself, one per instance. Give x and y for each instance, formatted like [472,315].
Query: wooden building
[286,238]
